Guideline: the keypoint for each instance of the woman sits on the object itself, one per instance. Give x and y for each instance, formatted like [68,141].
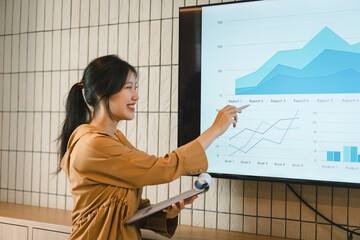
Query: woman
[105,171]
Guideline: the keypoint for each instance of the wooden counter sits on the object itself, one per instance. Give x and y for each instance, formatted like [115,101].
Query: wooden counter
[29,213]
[184,232]
[23,222]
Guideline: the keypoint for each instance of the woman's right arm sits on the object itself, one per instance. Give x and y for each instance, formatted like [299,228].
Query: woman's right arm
[225,117]
[101,158]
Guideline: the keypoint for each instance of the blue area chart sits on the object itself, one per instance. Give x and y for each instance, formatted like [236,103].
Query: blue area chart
[326,64]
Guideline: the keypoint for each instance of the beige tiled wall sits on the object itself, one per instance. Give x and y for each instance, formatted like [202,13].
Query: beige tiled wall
[44,47]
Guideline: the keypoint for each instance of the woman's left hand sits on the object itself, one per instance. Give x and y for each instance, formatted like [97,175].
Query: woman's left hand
[176,208]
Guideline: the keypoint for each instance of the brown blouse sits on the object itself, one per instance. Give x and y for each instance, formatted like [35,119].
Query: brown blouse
[106,178]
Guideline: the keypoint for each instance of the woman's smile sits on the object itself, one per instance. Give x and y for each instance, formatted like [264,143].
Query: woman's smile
[131,107]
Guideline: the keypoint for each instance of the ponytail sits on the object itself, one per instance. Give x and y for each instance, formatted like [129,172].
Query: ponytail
[102,78]
[77,113]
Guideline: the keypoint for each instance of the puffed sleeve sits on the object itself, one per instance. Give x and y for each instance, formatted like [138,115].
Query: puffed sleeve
[101,158]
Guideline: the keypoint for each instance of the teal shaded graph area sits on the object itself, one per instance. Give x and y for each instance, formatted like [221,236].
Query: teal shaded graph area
[327,64]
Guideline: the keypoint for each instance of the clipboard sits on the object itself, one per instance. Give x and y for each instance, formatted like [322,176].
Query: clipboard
[201,185]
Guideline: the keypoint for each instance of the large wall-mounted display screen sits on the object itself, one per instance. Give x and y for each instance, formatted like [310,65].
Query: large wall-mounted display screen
[297,63]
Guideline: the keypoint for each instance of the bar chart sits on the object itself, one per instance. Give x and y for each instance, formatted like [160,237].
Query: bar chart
[350,154]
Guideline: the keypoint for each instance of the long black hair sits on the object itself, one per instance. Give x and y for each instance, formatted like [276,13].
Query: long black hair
[103,77]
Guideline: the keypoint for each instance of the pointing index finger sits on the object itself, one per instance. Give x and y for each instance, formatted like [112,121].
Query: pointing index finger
[243,107]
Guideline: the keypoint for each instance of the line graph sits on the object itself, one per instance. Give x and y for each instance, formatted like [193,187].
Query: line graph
[257,136]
